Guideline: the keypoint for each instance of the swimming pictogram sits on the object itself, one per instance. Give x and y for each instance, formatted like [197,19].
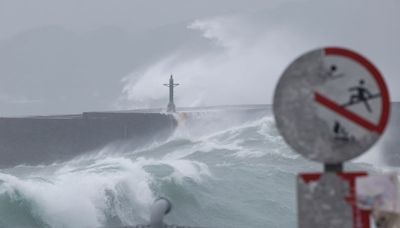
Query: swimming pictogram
[360,94]
[332,72]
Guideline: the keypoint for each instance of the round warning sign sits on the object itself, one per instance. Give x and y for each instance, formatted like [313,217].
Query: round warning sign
[331,105]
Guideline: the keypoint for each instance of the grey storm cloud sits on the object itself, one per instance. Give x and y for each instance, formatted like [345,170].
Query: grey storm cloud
[73,56]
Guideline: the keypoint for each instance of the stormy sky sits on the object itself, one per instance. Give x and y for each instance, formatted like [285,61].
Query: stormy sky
[72,56]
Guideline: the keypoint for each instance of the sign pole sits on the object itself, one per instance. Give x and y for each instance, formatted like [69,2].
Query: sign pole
[337,168]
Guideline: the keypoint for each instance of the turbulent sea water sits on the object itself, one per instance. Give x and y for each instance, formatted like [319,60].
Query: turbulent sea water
[238,176]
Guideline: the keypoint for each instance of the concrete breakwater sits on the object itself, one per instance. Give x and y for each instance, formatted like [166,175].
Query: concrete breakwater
[47,139]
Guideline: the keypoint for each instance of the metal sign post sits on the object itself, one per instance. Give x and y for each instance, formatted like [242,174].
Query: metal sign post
[331,105]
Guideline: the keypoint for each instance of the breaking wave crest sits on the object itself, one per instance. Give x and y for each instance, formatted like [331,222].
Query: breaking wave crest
[242,176]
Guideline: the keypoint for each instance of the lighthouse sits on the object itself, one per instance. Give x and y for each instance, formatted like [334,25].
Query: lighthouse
[171,85]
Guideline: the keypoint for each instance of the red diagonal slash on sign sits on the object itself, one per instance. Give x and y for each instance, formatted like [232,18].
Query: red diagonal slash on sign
[374,72]
[328,103]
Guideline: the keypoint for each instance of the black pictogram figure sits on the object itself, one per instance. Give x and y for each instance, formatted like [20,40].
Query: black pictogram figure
[332,72]
[361,94]
[340,132]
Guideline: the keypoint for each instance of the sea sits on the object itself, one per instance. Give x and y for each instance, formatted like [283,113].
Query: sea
[243,176]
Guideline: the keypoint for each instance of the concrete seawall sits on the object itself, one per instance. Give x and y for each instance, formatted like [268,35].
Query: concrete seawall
[47,139]
[36,140]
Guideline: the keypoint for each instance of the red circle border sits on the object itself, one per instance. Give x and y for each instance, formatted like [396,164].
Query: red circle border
[377,76]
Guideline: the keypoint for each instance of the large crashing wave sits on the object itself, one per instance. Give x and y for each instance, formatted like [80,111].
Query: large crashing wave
[243,176]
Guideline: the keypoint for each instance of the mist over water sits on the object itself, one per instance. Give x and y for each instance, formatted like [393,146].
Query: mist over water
[242,59]
[237,176]
[218,171]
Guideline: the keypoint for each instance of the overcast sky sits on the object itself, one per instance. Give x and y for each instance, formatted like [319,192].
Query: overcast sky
[72,56]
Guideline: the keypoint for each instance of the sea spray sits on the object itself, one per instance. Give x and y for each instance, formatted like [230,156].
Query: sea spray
[238,176]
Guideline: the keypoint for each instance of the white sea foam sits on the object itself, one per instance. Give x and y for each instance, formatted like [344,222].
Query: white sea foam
[72,192]
[111,188]
[115,187]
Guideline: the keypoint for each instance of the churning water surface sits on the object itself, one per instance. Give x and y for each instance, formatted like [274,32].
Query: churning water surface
[241,176]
